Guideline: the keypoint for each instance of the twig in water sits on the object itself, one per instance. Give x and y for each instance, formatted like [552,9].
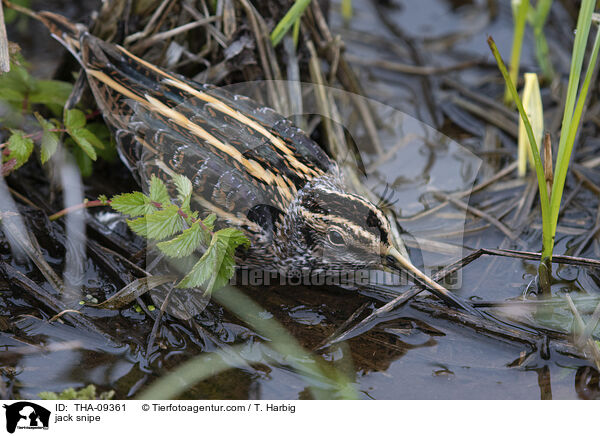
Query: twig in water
[481,214]
[400,300]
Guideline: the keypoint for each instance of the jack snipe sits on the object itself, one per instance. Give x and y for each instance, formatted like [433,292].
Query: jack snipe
[248,164]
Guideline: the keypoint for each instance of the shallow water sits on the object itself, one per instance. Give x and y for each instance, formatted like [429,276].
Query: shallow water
[410,354]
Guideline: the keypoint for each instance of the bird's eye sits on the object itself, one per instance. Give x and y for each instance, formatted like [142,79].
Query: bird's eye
[335,237]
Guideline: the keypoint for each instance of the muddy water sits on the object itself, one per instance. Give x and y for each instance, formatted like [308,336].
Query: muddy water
[408,355]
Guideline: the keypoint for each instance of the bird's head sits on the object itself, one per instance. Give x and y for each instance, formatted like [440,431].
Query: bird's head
[328,228]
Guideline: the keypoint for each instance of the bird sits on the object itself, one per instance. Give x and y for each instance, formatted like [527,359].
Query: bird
[249,165]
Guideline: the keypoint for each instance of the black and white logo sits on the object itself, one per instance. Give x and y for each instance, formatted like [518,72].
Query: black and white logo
[26,415]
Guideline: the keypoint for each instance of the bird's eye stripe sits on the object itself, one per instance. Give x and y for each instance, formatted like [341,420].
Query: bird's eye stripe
[358,232]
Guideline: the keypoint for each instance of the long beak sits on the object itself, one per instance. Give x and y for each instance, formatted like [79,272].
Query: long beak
[395,260]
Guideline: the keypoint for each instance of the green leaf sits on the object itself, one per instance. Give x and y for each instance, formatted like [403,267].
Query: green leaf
[139,226]
[234,238]
[20,147]
[49,145]
[84,162]
[164,223]
[51,92]
[83,142]
[109,150]
[209,221]
[49,138]
[217,265]
[133,204]
[74,119]
[184,244]
[90,137]
[87,393]
[15,84]
[11,15]
[11,95]
[184,191]
[158,191]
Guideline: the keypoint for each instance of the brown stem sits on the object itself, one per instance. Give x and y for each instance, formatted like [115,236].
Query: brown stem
[96,203]
[84,205]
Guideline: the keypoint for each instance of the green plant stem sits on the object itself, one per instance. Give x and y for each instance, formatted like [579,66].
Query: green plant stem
[515,56]
[288,21]
[539,169]
[581,36]
[566,146]
[540,16]
[347,11]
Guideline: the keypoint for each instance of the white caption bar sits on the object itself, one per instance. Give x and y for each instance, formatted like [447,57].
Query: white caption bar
[297,417]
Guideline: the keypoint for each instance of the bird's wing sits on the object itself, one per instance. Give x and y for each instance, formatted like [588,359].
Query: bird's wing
[238,154]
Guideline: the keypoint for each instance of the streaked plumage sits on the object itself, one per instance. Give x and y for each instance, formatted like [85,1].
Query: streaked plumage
[248,164]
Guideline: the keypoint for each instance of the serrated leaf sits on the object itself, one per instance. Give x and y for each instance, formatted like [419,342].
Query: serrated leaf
[217,265]
[234,238]
[158,191]
[49,139]
[184,191]
[80,138]
[164,223]
[139,226]
[20,147]
[74,119]
[209,221]
[184,244]
[133,204]
[49,145]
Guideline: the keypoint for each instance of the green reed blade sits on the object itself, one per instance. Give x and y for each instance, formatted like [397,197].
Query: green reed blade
[292,16]
[539,169]
[566,145]
[520,18]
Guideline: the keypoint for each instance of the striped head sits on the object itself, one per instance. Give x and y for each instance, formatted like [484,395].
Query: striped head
[328,228]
